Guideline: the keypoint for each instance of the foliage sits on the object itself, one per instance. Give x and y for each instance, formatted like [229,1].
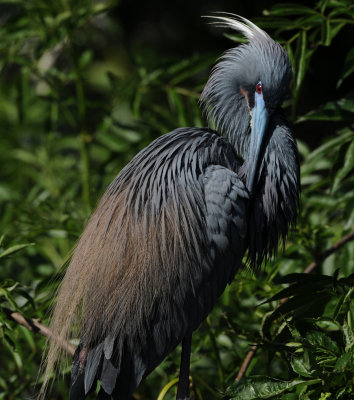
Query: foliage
[313,331]
[77,101]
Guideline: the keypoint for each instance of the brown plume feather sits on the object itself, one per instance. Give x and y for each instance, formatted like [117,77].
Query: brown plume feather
[127,261]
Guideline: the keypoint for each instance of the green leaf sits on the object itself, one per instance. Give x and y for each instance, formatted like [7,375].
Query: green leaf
[348,336]
[302,62]
[321,151]
[327,324]
[27,296]
[304,149]
[85,58]
[306,285]
[338,110]
[336,28]
[9,337]
[263,387]
[299,366]
[290,396]
[289,9]
[177,105]
[328,32]
[192,67]
[342,300]
[15,249]
[8,296]
[348,68]
[344,360]
[9,284]
[320,340]
[112,142]
[311,304]
[347,167]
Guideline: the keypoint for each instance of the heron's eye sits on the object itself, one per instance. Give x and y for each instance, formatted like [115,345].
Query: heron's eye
[259,88]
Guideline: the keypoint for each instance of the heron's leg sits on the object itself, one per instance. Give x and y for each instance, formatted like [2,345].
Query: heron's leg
[183,384]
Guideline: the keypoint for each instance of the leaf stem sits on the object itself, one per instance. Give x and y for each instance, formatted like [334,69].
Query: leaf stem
[166,388]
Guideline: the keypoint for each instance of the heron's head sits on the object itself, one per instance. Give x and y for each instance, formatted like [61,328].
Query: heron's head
[245,87]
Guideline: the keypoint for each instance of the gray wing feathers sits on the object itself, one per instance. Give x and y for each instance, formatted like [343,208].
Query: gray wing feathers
[225,197]
[226,200]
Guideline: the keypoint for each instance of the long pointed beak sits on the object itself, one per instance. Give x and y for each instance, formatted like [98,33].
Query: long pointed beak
[260,118]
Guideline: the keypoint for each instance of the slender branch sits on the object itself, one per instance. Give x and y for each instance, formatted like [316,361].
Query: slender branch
[311,267]
[246,362]
[34,325]
[329,251]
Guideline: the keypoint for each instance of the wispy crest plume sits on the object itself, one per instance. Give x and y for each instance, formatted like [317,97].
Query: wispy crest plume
[237,23]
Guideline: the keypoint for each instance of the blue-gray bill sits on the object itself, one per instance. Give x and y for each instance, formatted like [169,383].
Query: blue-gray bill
[260,119]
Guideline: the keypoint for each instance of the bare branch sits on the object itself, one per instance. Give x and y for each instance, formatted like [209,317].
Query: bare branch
[34,325]
[319,260]
[246,362]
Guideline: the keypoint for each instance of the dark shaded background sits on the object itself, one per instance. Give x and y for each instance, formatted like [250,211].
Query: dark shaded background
[176,30]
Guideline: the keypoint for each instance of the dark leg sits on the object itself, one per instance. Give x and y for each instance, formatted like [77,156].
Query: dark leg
[183,384]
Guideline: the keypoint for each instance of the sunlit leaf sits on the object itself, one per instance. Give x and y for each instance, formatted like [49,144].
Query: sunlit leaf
[322,341]
[349,336]
[299,366]
[290,9]
[14,249]
[344,360]
[340,110]
[347,166]
[263,387]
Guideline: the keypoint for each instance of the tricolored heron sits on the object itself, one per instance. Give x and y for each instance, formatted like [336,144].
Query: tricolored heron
[172,228]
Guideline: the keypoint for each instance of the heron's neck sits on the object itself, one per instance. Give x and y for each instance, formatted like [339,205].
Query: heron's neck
[275,200]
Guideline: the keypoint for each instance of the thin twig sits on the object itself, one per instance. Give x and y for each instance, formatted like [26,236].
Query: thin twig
[246,362]
[319,260]
[34,325]
[328,252]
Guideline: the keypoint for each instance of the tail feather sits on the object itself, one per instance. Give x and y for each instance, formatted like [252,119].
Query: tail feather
[94,361]
[108,376]
[77,389]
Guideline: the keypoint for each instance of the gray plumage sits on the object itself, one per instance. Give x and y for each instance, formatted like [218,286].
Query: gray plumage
[191,173]
[171,230]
